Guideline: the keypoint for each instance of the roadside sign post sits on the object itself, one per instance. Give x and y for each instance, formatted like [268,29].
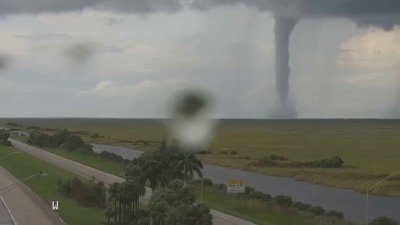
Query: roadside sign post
[54,205]
[236,186]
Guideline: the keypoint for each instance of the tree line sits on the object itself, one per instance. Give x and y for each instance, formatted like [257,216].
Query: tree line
[71,142]
[61,138]
[90,194]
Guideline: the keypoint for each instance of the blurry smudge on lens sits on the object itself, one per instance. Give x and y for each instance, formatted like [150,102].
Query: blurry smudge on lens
[190,105]
[80,52]
[4,62]
[192,126]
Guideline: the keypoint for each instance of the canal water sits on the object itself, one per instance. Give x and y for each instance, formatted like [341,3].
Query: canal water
[351,203]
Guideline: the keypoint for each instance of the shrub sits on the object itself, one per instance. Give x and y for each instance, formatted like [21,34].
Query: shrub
[283,201]
[207,182]
[277,157]
[73,142]
[317,210]
[59,137]
[249,190]
[266,198]
[221,187]
[334,162]
[95,135]
[335,214]
[383,221]
[244,157]
[234,153]
[39,139]
[4,139]
[204,153]
[265,162]
[301,206]
[90,194]
[256,195]
[5,142]
[86,148]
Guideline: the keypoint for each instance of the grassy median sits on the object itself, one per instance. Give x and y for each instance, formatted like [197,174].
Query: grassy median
[23,165]
[92,160]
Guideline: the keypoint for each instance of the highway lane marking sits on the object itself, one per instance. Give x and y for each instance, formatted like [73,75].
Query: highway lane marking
[9,211]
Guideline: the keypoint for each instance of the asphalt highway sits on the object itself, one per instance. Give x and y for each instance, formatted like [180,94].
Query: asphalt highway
[20,206]
[219,218]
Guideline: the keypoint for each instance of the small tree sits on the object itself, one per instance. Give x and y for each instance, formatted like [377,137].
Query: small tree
[109,213]
[175,205]
[4,138]
[73,142]
[283,201]
[317,210]
[301,206]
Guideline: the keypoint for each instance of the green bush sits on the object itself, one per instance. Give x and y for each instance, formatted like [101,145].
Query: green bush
[221,187]
[257,195]
[266,198]
[249,190]
[89,194]
[282,201]
[334,162]
[207,182]
[4,138]
[39,139]
[277,157]
[5,142]
[301,206]
[317,210]
[73,142]
[383,221]
[265,162]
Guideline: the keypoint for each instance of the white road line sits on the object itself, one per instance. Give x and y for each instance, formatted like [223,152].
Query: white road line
[9,212]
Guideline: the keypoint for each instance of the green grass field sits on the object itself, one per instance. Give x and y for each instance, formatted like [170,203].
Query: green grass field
[23,165]
[370,148]
[92,161]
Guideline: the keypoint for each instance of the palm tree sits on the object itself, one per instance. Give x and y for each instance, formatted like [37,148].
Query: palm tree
[157,166]
[114,196]
[185,165]
[109,213]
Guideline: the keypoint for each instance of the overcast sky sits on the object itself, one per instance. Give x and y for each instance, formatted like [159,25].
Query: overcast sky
[102,63]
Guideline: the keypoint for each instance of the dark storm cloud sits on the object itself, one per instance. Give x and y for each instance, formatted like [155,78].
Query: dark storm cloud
[143,6]
[384,13]
[41,6]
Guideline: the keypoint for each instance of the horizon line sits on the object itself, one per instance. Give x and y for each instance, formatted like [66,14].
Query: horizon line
[217,118]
